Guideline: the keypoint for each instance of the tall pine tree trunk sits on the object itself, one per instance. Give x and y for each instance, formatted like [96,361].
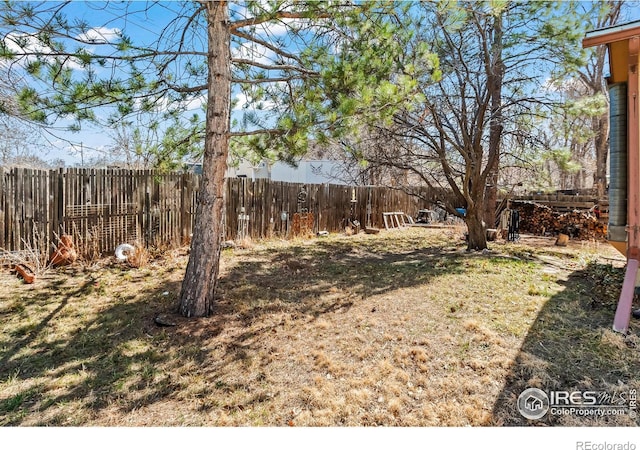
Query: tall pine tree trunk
[200,280]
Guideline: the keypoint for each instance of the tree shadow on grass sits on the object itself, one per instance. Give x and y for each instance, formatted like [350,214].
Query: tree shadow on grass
[89,362]
[73,366]
[571,347]
[27,338]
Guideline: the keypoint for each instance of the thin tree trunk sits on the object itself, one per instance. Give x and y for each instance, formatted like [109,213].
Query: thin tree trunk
[601,127]
[200,280]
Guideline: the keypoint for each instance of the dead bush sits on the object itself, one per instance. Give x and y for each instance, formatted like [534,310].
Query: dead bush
[139,257]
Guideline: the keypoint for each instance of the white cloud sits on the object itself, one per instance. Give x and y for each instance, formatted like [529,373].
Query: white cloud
[275,28]
[163,104]
[244,101]
[282,27]
[196,103]
[100,35]
[27,48]
[21,43]
[565,85]
[253,52]
[75,152]
[241,101]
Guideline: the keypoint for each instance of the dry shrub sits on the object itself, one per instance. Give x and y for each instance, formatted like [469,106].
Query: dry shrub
[159,249]
[87,246]
[245,243]
[139,257]
[34,256]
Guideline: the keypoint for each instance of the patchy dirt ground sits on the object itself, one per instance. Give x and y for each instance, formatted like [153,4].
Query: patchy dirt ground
[404,328]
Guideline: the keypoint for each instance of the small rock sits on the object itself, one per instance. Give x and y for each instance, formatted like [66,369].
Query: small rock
[163,322]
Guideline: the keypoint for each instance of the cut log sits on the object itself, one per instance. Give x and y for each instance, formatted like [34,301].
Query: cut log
[562,240]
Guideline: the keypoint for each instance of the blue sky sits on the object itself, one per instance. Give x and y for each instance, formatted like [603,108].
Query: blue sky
[143,27]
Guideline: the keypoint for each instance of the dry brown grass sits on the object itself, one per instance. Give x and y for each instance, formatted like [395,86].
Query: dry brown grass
[245,243]
[399,329]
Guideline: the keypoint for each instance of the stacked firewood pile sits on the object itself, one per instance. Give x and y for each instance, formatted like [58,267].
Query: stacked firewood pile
[543,220]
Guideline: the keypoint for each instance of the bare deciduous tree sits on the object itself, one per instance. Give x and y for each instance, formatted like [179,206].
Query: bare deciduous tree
[494,58]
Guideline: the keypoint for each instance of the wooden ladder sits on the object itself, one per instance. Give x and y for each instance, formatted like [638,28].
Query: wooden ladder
[396,220]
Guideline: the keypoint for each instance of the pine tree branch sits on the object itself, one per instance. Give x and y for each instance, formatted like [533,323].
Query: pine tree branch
[185,89]
[272,131]
[267,80]
[281,67]
[275,16]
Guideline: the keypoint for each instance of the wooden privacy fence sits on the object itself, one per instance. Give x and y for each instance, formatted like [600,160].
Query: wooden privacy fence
[266,208]
[103,208]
